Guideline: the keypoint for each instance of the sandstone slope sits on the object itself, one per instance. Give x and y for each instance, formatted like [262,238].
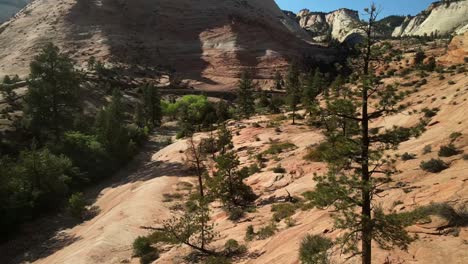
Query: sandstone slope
[207,41]
[137,200]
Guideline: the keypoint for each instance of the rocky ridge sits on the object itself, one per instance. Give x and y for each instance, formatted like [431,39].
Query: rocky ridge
[207,42]
[334,25]
[438,19]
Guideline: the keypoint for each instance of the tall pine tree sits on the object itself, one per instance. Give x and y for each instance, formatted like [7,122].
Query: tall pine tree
[245,96]
[52,100]
[293,89]
[357,164]
[152,105]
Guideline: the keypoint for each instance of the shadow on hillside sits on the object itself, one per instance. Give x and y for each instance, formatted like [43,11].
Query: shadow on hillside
[140,33]
[44,236]
[38,240]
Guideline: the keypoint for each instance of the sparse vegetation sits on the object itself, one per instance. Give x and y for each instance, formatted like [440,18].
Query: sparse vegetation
[408,156]
[448,151]
[283,211]
[77,205]
[314,249]
[433,165]
[427,149]
[279,169]
[267,231]
[277,148]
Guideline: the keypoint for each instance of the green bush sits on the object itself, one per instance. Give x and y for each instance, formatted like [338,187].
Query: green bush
[455,135]
[77,205]
[428,113]
[217,260]
[433,165]
[278,148]
[149,257]
[142,246]
[254,169]
[408,156]
[427,149]
[282,211]
[267,231]
[236,213]
[232,248]
[448,151]
[88,154]
[249,233]
[314,250]
[279,169]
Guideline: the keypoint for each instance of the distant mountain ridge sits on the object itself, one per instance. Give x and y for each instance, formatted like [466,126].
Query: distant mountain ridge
[440,18]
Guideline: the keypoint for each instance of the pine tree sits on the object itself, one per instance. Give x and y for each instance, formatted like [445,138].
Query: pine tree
[7,91]
[357,165]
[245,97]
[152,105]
[312,88]
[293,89]
[52,100]
[227,183]
[278,81]
[224,138]
[139,115]
[111,129]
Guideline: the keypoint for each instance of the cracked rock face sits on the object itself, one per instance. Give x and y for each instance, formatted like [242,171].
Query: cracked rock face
[439,19]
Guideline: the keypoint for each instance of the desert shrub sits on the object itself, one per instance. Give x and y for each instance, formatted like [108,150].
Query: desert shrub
[290,222]
[465,157]
[313,154]
[256,125]
[142,246]
[236,213]
[217,260]
[279,169]
[456,217]
[267,231]
[77,205]
[249,233]
[278,148]
[233,248]
[430,112]
[408,156]
[451,82]
[314,249]
[448,151]
[254,169]
[169,197]
[282,211]
[427,149]
[149,257]
[455,135]
[433,165]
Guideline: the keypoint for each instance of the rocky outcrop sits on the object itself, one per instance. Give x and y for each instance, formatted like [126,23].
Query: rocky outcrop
[8,8]
[439,19]
[334,25]
[207,41]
